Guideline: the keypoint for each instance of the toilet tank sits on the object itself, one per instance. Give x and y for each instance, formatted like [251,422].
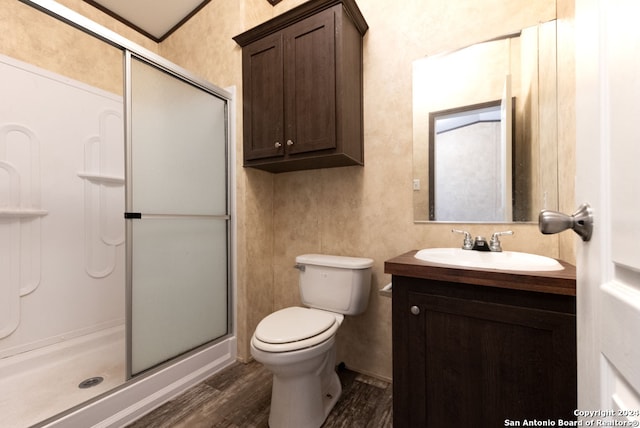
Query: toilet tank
[335,283]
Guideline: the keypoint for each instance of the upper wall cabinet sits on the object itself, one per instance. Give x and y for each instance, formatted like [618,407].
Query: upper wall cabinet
[302,88]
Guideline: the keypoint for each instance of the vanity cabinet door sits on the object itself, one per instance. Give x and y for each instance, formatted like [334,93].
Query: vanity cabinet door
[480,356]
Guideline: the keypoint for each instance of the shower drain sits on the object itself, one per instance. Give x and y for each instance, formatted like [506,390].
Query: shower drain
[92,381]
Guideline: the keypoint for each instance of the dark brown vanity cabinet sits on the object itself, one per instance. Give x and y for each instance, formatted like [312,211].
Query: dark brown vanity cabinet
[302,88]
[468,354]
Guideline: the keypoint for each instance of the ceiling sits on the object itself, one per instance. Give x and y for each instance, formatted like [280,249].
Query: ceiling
[156,19]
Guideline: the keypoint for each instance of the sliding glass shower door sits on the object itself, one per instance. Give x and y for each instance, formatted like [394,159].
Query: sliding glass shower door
[178,216]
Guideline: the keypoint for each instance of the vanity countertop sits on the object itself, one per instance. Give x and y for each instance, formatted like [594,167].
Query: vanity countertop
[554,282]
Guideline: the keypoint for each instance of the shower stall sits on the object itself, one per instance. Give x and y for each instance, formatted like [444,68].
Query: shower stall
[115,223]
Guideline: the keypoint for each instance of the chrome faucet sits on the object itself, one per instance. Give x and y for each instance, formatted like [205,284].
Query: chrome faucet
[480,243]
[468,242]
[494,243]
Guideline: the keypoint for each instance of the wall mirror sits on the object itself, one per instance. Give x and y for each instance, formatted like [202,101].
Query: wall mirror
[492,169]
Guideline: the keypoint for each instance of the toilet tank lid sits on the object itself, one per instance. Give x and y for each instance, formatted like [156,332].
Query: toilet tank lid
[335,261]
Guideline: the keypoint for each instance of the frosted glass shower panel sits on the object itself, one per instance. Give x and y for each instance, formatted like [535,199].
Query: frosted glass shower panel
[178,226]
[180,293]
[179,151]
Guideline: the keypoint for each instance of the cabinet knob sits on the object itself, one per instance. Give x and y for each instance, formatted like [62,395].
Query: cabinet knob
[415,310]
[289,143]
[277,145]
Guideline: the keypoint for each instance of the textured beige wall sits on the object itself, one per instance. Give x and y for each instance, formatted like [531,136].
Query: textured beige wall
[355,211]
[43,41]
[566,124]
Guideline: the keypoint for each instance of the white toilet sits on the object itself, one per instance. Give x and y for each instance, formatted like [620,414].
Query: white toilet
[298,344]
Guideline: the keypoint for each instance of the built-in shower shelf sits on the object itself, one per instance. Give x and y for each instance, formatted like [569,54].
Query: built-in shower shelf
[102,179]
[21,213]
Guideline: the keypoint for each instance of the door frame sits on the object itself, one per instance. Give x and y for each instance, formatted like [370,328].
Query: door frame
[172,70]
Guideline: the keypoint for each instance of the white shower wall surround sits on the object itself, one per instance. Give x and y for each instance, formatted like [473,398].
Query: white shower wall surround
[62,265]
[104,195]
[21,213]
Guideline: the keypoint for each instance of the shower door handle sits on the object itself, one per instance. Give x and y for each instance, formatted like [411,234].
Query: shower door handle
[133,216]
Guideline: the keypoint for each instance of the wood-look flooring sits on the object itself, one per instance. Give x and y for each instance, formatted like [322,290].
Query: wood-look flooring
[239,397]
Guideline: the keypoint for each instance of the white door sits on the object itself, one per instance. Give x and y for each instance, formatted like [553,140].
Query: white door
[608,177]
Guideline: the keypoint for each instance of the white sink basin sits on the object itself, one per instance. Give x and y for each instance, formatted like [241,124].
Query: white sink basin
[505,260]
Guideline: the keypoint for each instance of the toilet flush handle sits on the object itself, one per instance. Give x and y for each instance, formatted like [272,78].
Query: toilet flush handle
[299,267]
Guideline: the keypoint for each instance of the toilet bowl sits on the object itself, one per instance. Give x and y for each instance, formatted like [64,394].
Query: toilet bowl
[305,384]
[297,344]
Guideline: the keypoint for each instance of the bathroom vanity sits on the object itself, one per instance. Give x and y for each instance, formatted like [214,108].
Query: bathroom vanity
[302,88]
[480,347]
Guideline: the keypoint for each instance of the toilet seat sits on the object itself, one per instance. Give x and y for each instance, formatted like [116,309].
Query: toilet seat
[295,328]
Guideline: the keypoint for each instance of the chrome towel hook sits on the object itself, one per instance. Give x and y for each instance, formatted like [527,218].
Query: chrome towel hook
[581,222]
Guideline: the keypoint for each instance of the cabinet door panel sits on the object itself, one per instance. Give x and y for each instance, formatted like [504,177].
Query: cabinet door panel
[310,89]
[498,362]
[263,98]
[470,361]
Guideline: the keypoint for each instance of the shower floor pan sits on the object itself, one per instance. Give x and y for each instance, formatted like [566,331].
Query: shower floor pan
[38,384]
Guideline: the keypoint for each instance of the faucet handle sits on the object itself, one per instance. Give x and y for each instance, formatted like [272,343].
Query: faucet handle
[468,242]
[494,243]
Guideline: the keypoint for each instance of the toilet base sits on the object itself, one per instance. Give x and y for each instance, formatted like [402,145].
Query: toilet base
[305,401]
[304,392]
